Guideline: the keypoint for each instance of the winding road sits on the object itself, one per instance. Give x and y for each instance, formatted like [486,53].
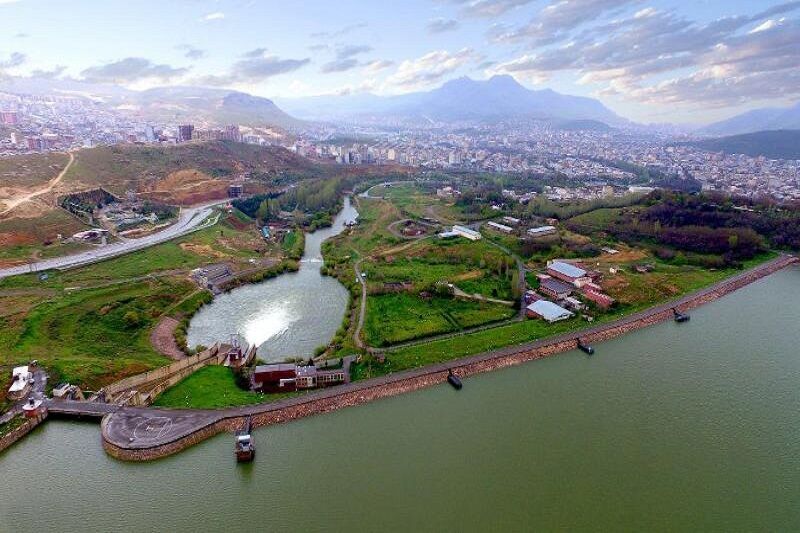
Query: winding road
[190,220]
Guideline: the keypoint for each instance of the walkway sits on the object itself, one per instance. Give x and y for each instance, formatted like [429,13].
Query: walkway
[150,433]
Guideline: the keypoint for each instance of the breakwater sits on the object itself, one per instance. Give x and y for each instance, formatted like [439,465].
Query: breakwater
[118,428]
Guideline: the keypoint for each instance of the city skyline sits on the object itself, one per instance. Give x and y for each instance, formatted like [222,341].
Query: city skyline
[648,61]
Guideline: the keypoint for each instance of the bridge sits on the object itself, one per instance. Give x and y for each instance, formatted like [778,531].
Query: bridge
[78,409]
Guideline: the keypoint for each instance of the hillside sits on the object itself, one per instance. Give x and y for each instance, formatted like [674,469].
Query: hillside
[183,174]
[148,168]
[498,98]
[778,144]
[163,104]
[770,118]
[211,105]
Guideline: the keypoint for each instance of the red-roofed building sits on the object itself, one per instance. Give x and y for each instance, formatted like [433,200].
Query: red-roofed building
[603,300]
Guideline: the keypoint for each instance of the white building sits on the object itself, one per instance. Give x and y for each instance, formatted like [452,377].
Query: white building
[461,231]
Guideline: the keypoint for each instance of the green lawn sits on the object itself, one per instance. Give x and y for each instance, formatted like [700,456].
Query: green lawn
[395,318]
[92,337]
[211,387]
[517,333]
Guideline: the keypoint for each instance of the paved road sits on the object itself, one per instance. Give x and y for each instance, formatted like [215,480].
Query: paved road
[190,219]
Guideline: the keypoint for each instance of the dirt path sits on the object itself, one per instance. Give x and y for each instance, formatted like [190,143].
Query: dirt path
[363,310]
[163,340]
[13,202]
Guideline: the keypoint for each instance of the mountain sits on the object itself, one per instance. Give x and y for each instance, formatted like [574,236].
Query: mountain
[498,98]
[191,104]
[218,106]
[768,118]
[777,144]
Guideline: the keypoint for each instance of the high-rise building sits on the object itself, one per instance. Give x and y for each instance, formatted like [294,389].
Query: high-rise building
[149,134]
[232,133]
[9,118]
[185,132]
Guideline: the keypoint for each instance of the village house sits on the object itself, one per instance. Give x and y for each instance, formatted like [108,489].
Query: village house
[21,380]
[511,221]
[565,271]
[288,377]
[211,275]
[601,299]
[555,289]
[547,311]
[500,227]
[461,231]
[542,231]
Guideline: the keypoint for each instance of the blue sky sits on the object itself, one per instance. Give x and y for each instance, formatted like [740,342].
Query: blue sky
[648,60]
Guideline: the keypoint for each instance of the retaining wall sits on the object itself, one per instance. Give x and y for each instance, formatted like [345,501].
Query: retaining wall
[366,391]
[182,368]
[29,425]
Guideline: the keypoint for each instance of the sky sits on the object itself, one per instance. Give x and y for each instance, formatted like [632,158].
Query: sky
[651,61]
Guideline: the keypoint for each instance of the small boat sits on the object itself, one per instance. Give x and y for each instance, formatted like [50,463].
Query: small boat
[585,348]
[680,317]
[454,380]
[245,447]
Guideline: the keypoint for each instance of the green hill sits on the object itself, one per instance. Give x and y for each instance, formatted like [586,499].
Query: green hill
[774,144]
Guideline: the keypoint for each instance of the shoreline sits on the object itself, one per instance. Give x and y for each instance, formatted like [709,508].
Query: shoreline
[193,426]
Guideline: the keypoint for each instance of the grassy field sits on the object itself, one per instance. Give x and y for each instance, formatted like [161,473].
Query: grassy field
[689,280]
[29,172]
[91,325]
[211,387]
[394,318]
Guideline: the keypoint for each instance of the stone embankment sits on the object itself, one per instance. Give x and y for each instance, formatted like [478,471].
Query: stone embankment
[19,432]
[123,443]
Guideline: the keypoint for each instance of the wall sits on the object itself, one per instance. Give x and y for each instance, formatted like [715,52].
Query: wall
[366,391]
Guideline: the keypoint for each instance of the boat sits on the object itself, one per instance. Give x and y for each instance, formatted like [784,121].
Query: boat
[680,317]
[454,380]
[245,447]
[585,348]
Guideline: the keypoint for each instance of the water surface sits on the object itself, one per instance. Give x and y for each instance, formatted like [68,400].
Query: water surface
[674,427]
[287,316]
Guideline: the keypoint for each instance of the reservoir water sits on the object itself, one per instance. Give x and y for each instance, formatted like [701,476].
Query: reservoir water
[287,316]
[673,427]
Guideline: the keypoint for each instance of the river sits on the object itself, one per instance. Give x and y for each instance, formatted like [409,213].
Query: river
[673,427]
[286,316]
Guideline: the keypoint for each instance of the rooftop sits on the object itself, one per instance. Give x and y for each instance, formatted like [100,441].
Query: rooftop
[567,269]
[549,311]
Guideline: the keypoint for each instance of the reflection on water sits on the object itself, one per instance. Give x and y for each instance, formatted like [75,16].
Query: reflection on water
[687,427]
[287,316]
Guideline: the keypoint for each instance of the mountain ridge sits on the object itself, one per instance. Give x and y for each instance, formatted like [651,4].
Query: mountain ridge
[763,119]
[498,98]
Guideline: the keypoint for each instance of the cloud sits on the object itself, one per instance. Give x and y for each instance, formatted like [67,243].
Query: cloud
[218,15]
[55,72]
[255,66]
[345,58]
[346,30]
[431,68]
[339,65]
[489,8]
[378,65]
[131,69]
[8,2]
[554,22]
[659,57]
[442,25]
[15,59]
[190,52]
